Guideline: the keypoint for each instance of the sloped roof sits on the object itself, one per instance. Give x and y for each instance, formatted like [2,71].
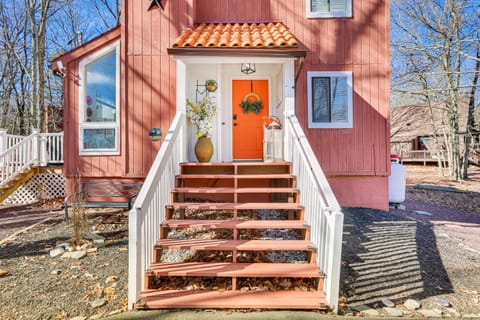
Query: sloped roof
[272,36]
[245,35]
[87,47]
[409,122]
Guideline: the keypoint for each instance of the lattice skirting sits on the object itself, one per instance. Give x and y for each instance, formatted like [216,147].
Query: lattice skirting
[40,187]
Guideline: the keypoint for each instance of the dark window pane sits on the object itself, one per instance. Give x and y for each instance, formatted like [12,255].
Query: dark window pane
[321,99]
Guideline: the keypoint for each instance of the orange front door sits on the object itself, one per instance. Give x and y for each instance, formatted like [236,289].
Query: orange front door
[248,127]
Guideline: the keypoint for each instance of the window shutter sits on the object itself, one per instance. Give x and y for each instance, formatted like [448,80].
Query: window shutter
[320,6]
[338,5]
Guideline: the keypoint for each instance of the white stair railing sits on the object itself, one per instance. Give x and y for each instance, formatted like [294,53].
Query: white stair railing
[322,211]
[148,212]
[18,158]
[18,153]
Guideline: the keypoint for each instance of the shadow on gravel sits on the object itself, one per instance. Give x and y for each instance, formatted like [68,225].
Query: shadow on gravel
[31,248]
[385,256]
[15,219]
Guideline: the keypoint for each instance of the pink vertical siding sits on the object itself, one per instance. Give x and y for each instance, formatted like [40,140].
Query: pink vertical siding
[359,44]
[149,80]
[350,157]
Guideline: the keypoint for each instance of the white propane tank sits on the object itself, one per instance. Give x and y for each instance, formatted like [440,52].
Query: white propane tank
[396,182]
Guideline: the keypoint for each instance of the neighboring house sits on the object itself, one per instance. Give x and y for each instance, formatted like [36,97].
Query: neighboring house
[321,67]
[413,131]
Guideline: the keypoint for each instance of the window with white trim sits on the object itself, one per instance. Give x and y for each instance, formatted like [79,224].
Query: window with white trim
[330,99]
[329,8]
[99,105]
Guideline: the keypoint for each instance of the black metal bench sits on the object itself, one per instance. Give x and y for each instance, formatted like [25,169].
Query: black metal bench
[93,195]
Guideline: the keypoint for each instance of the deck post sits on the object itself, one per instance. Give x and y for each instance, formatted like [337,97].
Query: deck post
[43,150]
[134,260]
[35,147]
[3,142]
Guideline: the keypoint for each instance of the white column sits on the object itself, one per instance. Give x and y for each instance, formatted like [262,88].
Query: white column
[289,91]
[3,140]
[43,150]
[3,143]
[181,100]
[35,153]
[289,86]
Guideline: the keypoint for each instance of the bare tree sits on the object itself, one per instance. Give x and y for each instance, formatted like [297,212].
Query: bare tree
[433,39]
[112,10]
[32,32]
[471,107]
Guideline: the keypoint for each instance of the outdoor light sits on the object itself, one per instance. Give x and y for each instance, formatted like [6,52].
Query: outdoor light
[248,68]
[155,134]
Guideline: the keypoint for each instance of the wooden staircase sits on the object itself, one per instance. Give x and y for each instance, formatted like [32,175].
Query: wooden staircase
[239,230]
[14,184]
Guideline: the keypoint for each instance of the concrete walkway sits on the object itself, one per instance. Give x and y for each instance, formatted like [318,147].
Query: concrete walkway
[217,315]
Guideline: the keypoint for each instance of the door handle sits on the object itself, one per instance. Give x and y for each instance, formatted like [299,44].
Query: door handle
[235,117]
[235,124]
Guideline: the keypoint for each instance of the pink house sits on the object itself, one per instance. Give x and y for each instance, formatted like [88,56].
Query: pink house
[320,66]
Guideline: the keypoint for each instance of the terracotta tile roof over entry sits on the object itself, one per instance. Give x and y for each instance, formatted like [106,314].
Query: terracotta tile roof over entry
[237,36]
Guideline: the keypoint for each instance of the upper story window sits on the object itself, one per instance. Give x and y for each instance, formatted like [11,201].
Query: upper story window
[99,103]
[330,99]
[329,8]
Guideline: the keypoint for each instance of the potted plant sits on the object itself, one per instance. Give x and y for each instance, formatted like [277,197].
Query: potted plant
[201,115]
[211,85]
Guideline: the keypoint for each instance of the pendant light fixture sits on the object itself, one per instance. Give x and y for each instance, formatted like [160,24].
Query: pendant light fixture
[248,68]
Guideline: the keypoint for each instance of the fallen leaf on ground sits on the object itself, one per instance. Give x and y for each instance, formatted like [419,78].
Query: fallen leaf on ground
[3,273]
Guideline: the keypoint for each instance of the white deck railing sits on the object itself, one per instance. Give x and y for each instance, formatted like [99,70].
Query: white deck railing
[17,153]
[322,211]
[13,140]
[51,148]
[149,209]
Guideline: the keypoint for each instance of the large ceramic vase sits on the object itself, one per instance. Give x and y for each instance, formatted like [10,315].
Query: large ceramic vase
[204,149]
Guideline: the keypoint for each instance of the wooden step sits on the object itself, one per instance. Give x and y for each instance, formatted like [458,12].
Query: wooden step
[295,211]
[235,206]
[236,168]
[231,224]
[240,270]
[241,245]
[233,180]
[153,299]
[235,190]
[235,195]
[237,176]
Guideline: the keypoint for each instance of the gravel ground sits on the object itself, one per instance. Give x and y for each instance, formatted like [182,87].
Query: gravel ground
[390,256]
[40,287]
[395,255]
